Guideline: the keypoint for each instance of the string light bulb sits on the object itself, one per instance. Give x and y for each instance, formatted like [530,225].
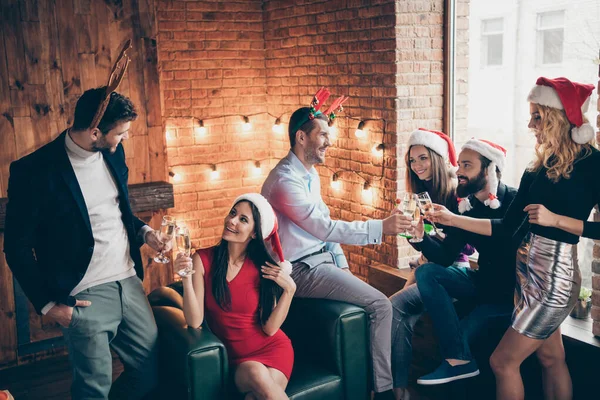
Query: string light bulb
[170,134]
[277,127]
[257,170]
[360,132]
[247,126]
[367,191]
[377,150]
[336,184]
[176,176]
[332,130]
[214,173]
[200,130]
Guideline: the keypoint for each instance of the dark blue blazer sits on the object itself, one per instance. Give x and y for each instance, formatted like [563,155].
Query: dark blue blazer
[48,238]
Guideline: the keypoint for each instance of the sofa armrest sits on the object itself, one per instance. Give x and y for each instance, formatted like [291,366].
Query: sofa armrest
[335,335]
[193,362]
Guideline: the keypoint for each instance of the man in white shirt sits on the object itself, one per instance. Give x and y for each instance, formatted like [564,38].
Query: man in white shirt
[73,242]
[311,239]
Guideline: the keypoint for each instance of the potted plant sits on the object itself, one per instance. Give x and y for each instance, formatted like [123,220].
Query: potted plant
[583,305]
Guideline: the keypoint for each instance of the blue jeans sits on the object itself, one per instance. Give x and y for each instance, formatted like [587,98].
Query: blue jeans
[443,284]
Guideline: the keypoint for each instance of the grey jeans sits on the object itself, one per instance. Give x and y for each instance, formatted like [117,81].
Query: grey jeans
[121,319]
[319,277]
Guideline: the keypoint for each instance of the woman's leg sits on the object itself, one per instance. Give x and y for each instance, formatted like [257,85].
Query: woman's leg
[555,374]
[506,360]
[278,377]
[254,377]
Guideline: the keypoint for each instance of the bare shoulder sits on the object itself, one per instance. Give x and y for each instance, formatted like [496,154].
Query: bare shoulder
[197,263]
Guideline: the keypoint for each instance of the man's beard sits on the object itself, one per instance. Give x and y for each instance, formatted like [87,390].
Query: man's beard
[312,156]
[102,145]
[473,185]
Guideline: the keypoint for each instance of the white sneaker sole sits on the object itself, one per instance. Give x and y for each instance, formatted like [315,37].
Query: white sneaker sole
[446,380]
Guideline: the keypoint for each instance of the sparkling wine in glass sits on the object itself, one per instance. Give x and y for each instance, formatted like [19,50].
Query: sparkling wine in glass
[414,223]
[427,206]
[167,230]
[408,206]
[184,245]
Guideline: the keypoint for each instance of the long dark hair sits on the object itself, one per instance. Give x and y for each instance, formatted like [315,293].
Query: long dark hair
[269,291]
[441,179]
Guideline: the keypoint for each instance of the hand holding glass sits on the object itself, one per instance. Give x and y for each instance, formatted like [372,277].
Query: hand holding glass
[408,207]
[184,246]
[167,229]
[418,230]
[427,206]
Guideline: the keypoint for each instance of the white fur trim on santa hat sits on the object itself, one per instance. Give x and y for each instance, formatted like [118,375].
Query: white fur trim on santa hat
[267,214]
[582,135]
[492,201]
[546,96]
[496,156]
[429,140]
[464,205]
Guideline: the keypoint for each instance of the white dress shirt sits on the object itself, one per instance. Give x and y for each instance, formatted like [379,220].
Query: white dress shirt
[305,225]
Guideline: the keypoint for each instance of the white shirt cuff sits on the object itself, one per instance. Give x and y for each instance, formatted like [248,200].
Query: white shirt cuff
[375,227]
[142,233]
[47,307]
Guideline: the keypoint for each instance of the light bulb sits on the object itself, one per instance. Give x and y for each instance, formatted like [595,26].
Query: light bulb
[247,126]
[257,170]
[377,150]
[367,192]
[214,174]
[177,177]
[170,134]
[360,132]
[332,132]
[277,127]
[200,130]
[336,185]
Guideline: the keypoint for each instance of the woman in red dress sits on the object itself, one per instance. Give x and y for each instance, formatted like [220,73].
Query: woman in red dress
[246,295]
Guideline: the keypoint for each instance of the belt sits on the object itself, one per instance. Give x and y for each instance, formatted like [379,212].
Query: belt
[321,251]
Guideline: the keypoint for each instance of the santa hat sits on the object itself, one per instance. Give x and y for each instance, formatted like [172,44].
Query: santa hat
[436,141]
[268,224]
[497,155]
[572,97]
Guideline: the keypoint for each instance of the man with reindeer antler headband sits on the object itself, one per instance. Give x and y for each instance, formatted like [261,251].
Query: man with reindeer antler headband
[72,242]
[311,239]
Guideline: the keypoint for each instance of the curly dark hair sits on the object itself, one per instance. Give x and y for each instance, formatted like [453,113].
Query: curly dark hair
[119,110]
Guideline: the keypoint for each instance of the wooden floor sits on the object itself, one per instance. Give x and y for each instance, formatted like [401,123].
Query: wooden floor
[47,379]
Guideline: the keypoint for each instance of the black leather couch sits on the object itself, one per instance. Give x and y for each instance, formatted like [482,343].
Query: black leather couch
[330,341]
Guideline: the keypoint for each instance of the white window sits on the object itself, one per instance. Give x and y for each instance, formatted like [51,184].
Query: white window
[550,37]
[492,40]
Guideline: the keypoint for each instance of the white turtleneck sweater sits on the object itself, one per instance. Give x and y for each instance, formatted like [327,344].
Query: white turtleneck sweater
[110,260]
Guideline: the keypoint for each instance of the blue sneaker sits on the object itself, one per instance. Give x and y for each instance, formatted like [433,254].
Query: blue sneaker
[447,373]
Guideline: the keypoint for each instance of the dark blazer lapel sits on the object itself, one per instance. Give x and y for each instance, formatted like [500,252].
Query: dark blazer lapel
[68,174]
[117,171]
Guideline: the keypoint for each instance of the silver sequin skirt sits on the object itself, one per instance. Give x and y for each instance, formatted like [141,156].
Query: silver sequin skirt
[548,283]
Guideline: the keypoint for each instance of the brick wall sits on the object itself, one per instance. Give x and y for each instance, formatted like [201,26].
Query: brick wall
[248,57]
[211,56]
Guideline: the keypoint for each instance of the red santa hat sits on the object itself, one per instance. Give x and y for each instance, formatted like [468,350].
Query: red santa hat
[268,224]
[572,97]
[436,141]
[497,155]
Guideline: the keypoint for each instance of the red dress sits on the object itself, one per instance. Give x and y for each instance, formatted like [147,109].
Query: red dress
[239,328]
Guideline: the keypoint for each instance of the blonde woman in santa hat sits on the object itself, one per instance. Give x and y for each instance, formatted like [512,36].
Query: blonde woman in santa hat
[556,195]
[430,167]
[245,296]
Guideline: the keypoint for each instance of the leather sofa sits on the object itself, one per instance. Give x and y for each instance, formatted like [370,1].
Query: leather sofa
[330,341]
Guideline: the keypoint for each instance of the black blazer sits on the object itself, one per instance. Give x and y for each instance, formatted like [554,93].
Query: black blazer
[48,237]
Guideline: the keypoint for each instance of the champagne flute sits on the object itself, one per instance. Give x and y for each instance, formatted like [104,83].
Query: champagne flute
[416,220]
[408,206]
[167,229]
[184,245]
[427,205]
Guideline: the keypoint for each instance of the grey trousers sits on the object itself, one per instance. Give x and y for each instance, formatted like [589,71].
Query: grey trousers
[319,277]
[121,319]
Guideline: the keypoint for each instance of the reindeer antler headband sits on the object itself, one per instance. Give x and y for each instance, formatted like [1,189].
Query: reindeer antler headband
[114,79]
[318,100]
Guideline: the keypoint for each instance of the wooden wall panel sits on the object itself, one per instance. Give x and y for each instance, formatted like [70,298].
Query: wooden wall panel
[51,51]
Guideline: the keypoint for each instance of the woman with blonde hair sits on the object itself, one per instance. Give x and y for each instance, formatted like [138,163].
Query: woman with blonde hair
[556,195]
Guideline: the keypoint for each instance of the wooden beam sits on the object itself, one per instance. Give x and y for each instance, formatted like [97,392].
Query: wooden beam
[152,196]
